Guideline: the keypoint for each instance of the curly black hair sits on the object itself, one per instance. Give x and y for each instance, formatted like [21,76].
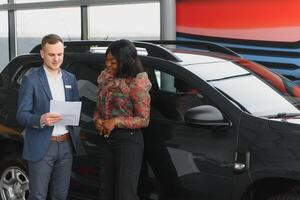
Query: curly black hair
[129,64]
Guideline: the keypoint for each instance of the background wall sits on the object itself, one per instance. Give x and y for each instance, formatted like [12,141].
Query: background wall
[109,22]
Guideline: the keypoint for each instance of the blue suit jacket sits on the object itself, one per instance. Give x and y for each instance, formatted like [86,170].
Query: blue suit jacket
[34,100]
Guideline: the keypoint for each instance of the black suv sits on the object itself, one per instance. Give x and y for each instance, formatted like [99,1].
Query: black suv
[221,127]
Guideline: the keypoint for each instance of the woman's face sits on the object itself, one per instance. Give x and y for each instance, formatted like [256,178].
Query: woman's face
[111,64]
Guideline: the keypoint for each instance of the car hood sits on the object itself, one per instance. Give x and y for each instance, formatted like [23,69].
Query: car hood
[289,120]
[287,124]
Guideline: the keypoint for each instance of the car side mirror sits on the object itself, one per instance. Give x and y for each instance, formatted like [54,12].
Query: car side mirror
[206,116]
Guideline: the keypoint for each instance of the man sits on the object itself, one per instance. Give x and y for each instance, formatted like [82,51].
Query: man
[48,146]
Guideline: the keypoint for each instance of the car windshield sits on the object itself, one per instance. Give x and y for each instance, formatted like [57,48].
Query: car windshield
[246,89]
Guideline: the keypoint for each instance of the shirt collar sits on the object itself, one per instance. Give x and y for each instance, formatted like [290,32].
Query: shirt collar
[49,75]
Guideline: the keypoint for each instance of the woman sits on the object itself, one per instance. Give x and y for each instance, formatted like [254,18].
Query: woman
[123,108]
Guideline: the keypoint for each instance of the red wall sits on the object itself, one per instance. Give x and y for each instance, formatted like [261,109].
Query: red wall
[277,20]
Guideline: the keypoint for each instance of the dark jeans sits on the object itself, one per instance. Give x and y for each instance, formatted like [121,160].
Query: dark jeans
[119,171]
[54,168]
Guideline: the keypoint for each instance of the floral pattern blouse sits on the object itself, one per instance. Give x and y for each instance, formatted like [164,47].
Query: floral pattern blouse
[127,100]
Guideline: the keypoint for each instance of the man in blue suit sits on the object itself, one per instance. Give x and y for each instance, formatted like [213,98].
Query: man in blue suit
[48,146]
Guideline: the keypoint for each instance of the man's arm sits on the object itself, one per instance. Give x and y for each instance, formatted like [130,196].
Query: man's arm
[25,116]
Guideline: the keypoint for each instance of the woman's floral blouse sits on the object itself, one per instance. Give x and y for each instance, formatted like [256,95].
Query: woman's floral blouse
[126,100]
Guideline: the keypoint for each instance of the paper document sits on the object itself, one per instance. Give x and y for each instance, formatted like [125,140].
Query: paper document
[70,111]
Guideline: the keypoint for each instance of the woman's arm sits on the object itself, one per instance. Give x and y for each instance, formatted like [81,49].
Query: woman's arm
[98,121]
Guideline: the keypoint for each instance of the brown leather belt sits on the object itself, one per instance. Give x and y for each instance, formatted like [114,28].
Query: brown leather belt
[60,138]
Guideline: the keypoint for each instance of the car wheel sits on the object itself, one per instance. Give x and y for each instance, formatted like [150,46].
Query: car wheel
[14,181]
[286,196]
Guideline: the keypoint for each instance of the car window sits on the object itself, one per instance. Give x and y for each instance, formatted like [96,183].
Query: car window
[86,70]
[171,96]
[86,74]
[256,96]
[245,88]
[23,71]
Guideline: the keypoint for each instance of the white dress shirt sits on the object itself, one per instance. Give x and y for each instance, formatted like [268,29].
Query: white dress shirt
[57,89]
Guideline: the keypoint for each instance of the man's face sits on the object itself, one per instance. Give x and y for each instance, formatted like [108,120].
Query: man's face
[53,55]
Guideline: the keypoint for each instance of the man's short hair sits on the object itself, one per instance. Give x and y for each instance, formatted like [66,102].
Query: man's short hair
[51,39]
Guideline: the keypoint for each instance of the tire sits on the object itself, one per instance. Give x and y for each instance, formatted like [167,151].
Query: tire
[14,180]
[287,196]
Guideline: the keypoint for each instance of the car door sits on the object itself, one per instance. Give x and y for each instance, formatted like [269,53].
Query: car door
[85,181]
[186,162]
[10,81]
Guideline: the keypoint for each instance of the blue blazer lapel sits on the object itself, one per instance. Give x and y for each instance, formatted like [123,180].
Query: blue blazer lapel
[44,81]
[67,83]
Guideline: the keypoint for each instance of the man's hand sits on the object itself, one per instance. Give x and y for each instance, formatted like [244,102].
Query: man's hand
[49,119]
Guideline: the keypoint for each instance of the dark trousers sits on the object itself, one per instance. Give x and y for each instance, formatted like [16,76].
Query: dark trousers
[120,169]
[54,169]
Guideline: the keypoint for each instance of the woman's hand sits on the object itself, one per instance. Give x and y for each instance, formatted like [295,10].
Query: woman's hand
[108,126]
[99,125]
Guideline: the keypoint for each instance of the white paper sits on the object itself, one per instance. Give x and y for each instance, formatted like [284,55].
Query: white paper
[70,111]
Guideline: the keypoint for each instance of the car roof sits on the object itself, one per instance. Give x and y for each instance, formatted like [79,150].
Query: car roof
[155,48]
[192,58]
[188,54]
